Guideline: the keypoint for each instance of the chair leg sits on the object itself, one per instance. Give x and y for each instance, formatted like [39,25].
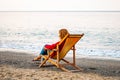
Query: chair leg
[64,69]
[72,64]
[44,61]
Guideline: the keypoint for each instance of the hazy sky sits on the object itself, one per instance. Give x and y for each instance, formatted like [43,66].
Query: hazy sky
[59,5]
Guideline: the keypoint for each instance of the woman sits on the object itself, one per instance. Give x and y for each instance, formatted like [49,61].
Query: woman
[62,33]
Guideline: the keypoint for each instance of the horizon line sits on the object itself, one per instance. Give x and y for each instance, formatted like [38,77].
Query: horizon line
[60,11]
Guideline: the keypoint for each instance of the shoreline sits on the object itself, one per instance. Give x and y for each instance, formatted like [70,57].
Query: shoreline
[68,55]
[18,65]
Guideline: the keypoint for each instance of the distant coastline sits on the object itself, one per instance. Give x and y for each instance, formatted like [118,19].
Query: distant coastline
[59,11]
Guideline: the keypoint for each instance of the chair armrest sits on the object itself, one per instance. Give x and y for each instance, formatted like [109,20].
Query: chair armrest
[49,51]
[54,49]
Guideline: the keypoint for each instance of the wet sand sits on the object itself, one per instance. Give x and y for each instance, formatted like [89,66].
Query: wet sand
[16,65]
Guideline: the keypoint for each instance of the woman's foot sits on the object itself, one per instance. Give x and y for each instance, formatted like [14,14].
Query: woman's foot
[37,58]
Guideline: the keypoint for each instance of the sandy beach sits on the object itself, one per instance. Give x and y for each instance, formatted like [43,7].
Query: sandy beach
[19,66]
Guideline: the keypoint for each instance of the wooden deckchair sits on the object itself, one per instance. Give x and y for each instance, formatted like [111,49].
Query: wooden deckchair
[58,54]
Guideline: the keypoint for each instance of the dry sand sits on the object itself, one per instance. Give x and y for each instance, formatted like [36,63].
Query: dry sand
[19,66]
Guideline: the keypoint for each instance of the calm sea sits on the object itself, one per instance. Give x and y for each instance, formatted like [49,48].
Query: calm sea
[29,31]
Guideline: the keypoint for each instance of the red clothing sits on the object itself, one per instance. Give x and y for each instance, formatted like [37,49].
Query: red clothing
[52,46]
